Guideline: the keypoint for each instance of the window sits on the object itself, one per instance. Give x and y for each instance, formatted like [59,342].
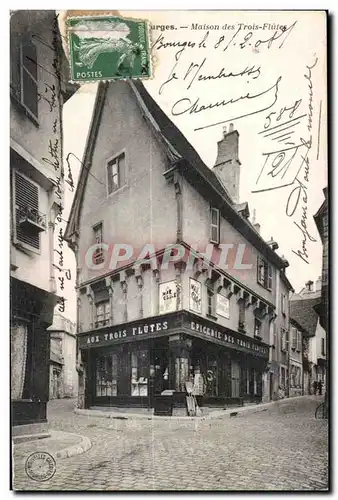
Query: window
[258,326]
[283,303]
[116,173]
[139,373]
[294,338]
[282,377]
[214,225]
[323,347]
[210,301]
[299,341]
[106,375]
[27,212]
[241,315]
[98,254]
[102,314]
[28,78]
[284,339]
[264,273]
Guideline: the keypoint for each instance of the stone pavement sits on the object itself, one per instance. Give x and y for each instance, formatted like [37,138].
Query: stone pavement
[282,448]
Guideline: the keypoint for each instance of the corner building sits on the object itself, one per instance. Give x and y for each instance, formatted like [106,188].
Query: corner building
[147,325]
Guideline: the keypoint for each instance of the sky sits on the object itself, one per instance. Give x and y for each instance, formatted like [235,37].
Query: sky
[286,74]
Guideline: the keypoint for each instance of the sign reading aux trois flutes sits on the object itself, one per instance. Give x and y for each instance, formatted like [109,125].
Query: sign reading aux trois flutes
[178,322]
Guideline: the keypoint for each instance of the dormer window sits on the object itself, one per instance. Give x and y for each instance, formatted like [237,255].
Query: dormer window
[214,225]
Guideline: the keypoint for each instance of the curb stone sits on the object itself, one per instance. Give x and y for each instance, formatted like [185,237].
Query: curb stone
[76,449]
[217,414]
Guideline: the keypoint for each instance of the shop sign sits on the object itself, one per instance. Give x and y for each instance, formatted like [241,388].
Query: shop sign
[133,331]
[222,306]
[195,296]
[168,297]
[228,338]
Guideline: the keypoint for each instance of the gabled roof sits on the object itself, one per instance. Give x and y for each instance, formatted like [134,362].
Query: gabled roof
[180,152]
[302,311]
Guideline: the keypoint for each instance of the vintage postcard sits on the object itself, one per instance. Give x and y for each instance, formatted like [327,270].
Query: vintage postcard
[169,251]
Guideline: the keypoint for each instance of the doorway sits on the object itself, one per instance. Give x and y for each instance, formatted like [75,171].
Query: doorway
[235,379]
[270,386]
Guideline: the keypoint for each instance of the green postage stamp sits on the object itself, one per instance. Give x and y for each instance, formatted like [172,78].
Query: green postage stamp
[108,48]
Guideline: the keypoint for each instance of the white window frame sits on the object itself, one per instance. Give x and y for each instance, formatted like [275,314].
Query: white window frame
[267,278]
[22,69]
[217,225]
[110,160]
[106,303]
[99,224]
[16,241]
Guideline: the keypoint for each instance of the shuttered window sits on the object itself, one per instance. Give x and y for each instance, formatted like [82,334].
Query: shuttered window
[26,199]
[214,225]
[28,74]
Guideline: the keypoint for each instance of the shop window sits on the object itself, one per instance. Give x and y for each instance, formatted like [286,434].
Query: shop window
[212,377]
[106,375]
[116,173]
[102,314]
[139,373]
[214,225]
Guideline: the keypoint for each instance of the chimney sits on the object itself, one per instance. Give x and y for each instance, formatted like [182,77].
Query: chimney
[227,166]
[319,284]
[255,224]
[272,244]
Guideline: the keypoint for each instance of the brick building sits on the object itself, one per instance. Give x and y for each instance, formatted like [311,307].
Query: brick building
[157,302]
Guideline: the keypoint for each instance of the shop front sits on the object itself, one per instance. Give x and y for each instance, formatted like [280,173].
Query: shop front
[133,364]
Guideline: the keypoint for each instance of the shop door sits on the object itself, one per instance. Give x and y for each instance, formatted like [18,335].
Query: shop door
[124,373]
[235,379]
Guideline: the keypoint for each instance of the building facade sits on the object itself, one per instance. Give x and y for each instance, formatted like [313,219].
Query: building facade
[304,307]
[322,222]
[37,91]
[296,379]
[63,379]
[173,279]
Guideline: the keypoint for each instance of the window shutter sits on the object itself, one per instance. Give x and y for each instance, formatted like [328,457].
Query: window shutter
[214,225]
[269,276]
[29,84]
[26,197]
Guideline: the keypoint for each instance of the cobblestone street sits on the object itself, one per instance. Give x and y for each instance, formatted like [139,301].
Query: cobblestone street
[283,448]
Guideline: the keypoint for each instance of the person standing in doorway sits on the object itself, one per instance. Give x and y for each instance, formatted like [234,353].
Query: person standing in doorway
[320,387]
[315,387]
